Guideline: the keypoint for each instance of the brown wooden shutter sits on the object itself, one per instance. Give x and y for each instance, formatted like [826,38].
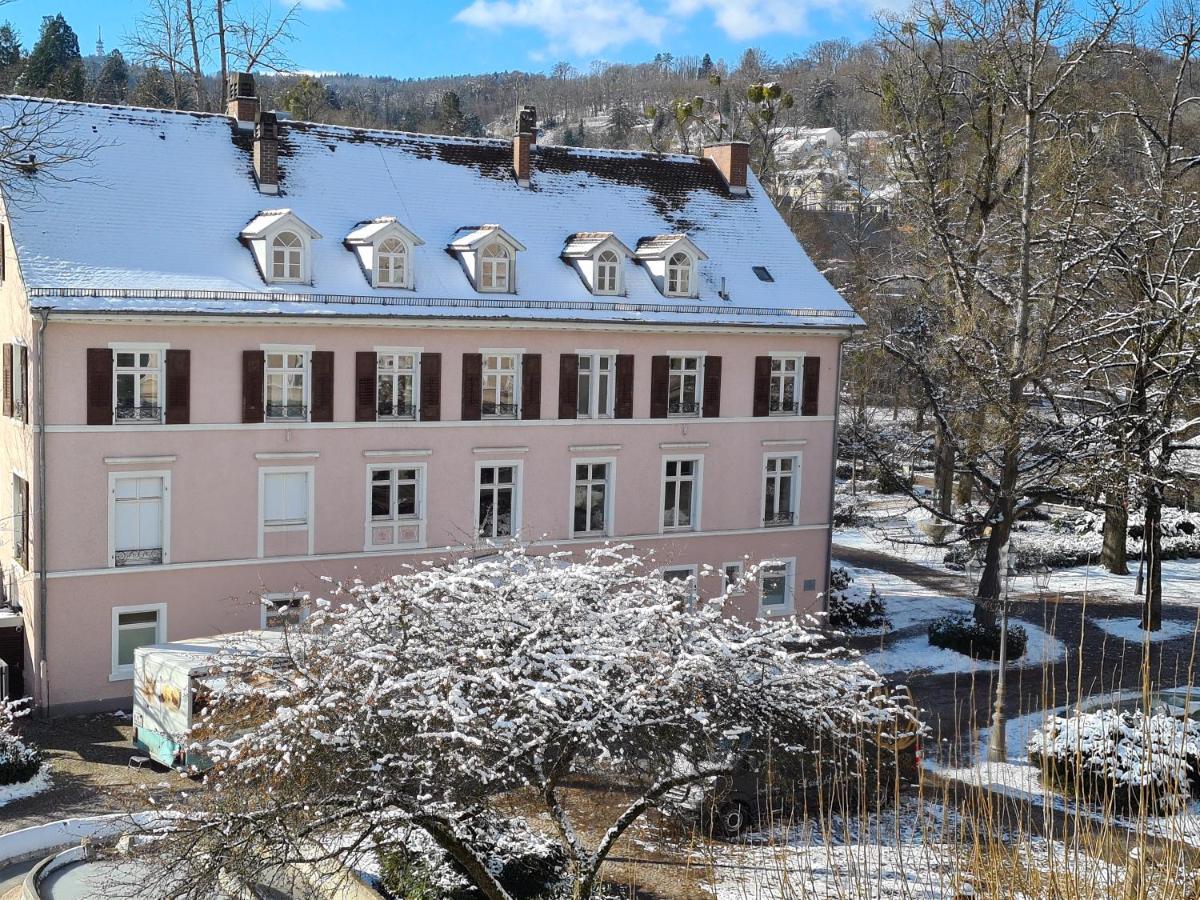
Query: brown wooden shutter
[8,379]
[321,395]
[762,385]
[100,386]
[568,386]
[472,386]
[660,386]
[431,387]
[179,387]
[712,387]
[811,389]
[253,363]
[365,365]
[623,403]
[531,385]
[24,398]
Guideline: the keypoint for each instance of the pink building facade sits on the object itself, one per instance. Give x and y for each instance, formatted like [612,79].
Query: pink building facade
[241,363]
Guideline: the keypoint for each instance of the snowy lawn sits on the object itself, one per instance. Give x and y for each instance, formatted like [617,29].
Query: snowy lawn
[1130,630]
[30,788]
[908,603]
[915,654]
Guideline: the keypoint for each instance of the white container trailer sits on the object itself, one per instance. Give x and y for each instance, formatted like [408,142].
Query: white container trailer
[169,679]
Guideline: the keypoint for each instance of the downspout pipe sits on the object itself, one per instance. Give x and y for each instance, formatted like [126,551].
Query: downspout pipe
[40,462]
[833,460]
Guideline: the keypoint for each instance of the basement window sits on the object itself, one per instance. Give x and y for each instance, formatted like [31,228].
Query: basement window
[763,273]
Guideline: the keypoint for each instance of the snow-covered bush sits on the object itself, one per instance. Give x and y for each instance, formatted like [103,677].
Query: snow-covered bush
[527,864]
[969,637]
[1134,760]
[18,761]
[852,606]
[416,700]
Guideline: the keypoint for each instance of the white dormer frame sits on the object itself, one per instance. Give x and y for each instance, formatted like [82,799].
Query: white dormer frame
[260,234]
[655,259]
[586,263]
[366,239]
[469,248]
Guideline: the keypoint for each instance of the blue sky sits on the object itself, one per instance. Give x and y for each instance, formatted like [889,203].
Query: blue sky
[408,38]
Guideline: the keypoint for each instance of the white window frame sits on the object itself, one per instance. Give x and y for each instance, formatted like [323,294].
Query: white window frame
[309,525]
[160,372]
[303,250]
[305,372]
[683,374]
[693,572]
[691,275]
[510,270]
[113,478]
[610,394]
[609,490]
[797,377]
[794,496]
[420,519]
[406,281]
[301,599]
[788,607]
[518,361]
[20,521]
[597,279]
[415,353]
[697,494]
[125,673]
[518,489]
[727,583]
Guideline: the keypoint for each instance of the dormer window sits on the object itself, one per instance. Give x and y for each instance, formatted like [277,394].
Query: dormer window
[598,257]
[488,254]
[392,268]
[679,275]
[671,261]
[287,257]
[384,249]
[494,267]
[607,272]
[282,246]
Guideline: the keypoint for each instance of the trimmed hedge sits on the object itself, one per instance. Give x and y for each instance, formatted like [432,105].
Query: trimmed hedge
[18,761]
[964,635]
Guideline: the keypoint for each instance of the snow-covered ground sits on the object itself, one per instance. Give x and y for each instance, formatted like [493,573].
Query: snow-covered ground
[35,785]
[1130,629]
[915,654]
[908,603]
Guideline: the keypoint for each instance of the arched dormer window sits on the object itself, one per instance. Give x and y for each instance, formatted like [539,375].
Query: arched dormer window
[392,264]
[287,257]
[494,268]
[679,275]
[608,272]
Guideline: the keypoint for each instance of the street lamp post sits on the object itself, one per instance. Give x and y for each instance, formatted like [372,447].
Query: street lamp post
[997,744]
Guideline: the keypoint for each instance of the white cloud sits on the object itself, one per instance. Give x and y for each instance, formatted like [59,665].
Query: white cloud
[583,27]
[321,5]
[745,20]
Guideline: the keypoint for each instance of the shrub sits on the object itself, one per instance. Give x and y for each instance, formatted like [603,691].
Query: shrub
[528,865]
[851,607]
[1134,760]
[18,761]
[894,482]
[964,635]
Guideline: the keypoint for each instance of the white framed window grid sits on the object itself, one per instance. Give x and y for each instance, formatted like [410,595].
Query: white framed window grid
[139,518]
[780,489]
[138,379]
[680,502]
[776,584]
[395,505]
[501,391]
[685,385]
[591,497]
[497,499]
[596,385]
[396,383]
[784,399]
[286,384]
[285,501]
[133,627]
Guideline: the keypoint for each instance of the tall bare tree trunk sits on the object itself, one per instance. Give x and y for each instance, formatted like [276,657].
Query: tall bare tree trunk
[224,54]
[943,473]
[1116,527]
[197,71]
[1152,607]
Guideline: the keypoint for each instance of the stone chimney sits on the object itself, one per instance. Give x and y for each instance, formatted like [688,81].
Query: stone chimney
[266,152]
[523,140]
[241,99]
[732,160]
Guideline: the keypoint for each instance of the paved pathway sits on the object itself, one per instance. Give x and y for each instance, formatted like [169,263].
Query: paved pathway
[1095,662]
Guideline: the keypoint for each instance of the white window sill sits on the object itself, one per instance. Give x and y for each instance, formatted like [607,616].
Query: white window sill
[283,527]
[776,611]
[121,675]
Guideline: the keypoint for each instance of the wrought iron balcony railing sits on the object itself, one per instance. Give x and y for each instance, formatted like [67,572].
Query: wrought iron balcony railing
[499,410]
[149,556]
[683,408]
[785,407]
[143,413]
[774,520]
[287,411]
[387,410]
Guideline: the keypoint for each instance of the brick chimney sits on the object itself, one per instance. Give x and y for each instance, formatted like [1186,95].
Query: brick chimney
[732,160]
[241,99]
[523,140]
[266,152]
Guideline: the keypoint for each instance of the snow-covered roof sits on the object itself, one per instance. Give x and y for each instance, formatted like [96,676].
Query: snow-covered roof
[379,228]
[151,220]
[270,219]
[585,243]
[472,237]
[659,245]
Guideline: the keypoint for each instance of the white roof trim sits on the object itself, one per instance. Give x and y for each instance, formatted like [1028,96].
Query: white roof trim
[580,248]
[381,229]
[473,238]
[681,241]
[270,220]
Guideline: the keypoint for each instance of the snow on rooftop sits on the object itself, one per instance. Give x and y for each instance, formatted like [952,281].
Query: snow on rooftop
[151,220]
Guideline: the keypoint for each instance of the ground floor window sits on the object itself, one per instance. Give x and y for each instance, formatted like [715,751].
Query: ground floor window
[592,495]
[396,504]
[731,578]
[285,610]
[776,590]
[133,627]
[683,579]
[497,508]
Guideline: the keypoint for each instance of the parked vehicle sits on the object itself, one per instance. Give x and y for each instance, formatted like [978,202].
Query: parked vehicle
[171,685]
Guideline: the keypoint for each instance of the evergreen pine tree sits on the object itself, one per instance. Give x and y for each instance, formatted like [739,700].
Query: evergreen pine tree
[49,68]
[113,80]
[10,56]
[152,89]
